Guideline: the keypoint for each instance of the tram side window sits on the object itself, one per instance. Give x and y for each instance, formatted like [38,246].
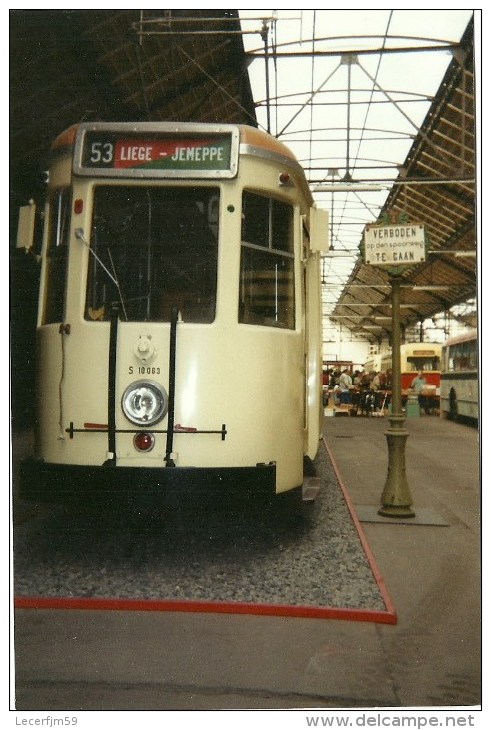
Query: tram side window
[57,255]
[266,291]
[153,249]
[472,350]
[463,356]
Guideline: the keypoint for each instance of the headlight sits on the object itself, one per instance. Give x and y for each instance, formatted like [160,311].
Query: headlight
[144,402]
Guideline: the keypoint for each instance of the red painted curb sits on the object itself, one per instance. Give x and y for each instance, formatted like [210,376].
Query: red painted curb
[128,604]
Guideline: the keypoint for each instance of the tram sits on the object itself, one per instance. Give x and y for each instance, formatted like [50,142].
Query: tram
[179,325]
[417,357]
[460,376]
[373,364]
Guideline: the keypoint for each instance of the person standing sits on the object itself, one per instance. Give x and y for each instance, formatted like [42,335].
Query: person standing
[418,385]
[345,385]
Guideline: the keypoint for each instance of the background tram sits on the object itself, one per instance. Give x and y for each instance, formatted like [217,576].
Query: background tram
[374,364]
[417,357]
[179,324]
[460,384]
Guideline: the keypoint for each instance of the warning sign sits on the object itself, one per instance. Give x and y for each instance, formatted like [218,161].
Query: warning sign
[394,245]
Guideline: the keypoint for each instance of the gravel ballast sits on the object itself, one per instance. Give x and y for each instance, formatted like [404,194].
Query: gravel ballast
[225,555]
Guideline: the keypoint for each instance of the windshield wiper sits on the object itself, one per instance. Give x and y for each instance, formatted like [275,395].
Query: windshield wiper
[79,233]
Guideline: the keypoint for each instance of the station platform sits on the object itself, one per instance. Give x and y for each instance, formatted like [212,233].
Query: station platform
[428,656]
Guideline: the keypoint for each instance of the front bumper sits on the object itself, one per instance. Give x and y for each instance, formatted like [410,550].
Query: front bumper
[45,482]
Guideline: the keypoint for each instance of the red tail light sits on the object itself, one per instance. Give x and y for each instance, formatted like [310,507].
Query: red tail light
[144,441]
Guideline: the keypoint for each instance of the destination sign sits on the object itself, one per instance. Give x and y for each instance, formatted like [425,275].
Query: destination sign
[156,154]
[394,245]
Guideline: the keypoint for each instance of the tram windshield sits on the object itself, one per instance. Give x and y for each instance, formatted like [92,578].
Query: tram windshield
[153,249]
[417,364]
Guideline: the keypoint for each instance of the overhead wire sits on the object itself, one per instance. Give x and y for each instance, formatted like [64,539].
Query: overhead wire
[357,137]
[363,127]
[312,86]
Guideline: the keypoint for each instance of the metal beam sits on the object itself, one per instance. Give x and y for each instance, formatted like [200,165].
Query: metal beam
[359,52]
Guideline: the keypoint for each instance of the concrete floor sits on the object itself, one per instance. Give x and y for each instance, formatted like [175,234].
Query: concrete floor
[118,660]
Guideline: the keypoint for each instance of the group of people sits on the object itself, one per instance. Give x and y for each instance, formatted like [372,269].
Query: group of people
[369,391]
[362,389]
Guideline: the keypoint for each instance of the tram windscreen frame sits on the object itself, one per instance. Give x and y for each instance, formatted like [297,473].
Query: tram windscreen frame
[267,262]
[154,248]
[57,255]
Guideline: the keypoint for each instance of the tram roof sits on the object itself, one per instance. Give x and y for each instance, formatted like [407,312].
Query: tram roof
[465,337]
[253,142]
[249,136]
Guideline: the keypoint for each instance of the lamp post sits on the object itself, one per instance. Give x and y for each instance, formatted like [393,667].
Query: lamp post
[396,499]
[395,244]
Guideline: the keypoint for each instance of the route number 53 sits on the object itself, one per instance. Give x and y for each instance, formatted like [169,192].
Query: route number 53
[101,152]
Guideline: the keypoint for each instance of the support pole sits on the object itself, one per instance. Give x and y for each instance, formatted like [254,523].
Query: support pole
[264,36]
[396,499]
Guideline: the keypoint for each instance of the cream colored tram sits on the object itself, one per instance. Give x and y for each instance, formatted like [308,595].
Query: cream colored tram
[417,357]
[179,327]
